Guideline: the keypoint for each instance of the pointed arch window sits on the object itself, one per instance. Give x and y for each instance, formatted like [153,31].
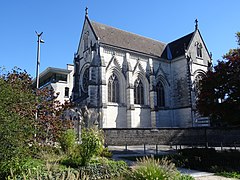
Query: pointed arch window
[138,92]
[85,80]
[113,89]
[197,83]
[160,95]
[85,40]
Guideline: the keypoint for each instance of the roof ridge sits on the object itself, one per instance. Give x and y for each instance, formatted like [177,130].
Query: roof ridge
[181,37]
[129,32]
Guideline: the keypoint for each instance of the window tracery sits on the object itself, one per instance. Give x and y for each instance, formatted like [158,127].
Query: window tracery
[197,83]
[85,80]
[113,89]
[160,95]
[138,92]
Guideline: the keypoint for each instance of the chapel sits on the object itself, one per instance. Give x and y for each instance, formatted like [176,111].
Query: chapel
[132,81]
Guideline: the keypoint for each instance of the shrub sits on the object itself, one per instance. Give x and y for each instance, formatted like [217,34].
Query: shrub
[106,153]
[151,169]
[67,141]
[51,171]
[92,144]
[72,161]
[103,168]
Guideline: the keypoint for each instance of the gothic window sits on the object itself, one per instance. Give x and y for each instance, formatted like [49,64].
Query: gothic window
[198,79]
[85,40]
[138,92]
[85,80]
[66,92]
[199,49]
[160,95]
[113,89]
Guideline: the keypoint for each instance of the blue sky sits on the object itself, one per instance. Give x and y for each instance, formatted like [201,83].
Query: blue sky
[61,22]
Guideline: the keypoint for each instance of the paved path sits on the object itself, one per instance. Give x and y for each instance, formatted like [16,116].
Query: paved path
[119,152]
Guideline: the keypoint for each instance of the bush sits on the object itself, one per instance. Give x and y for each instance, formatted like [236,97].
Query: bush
[106,153]
[51,171]
[105,169]
[151,169]
[92,144]
[67,141]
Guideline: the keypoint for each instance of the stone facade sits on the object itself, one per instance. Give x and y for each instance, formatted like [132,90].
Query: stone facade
[133,81]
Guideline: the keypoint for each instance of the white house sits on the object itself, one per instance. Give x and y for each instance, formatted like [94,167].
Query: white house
[60,80]
[133,81]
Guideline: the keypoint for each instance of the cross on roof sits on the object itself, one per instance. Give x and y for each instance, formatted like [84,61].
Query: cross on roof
[196,24]
[86,11]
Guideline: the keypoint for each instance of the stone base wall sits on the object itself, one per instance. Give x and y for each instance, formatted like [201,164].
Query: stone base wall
[168,136]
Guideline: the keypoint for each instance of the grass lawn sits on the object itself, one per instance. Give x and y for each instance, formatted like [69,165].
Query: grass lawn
[224,163]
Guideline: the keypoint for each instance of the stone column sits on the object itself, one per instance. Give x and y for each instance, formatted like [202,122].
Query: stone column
[152,97]
[102,93]
[129,93]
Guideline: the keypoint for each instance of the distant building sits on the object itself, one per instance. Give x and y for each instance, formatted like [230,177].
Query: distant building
[133,81]
[61,80]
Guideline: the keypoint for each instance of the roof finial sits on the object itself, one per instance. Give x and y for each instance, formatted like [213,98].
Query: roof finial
[196,24]
[86,11]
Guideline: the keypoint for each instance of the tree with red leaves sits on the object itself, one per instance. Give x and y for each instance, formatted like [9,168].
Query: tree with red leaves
[219,96]
[19,102]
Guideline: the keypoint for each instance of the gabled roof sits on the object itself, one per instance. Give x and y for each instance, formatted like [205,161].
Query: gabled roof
[119,38]
[177,47]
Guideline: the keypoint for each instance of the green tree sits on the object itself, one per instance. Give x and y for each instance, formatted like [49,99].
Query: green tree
[16,117]
[19,102]
[219,96]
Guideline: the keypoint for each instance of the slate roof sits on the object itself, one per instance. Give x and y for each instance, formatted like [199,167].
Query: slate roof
[177,47]
[123,39]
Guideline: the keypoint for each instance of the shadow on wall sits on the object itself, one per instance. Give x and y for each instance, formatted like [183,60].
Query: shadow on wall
[145,118]
[121,118]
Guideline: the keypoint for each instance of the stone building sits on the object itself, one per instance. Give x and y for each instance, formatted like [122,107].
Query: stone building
[132,81]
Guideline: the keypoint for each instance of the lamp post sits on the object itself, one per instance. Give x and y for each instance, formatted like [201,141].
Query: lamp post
[38,57]
[37,75]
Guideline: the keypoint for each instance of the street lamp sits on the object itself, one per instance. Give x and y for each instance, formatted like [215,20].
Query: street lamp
[37,74]
[38,58]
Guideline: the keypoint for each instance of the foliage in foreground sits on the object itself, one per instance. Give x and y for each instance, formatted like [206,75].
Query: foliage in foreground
[152,169]
[67,141]
[80,154]
[16,117]
[229,174]
[19,102]
[100,169]
[219,96]
[208,160]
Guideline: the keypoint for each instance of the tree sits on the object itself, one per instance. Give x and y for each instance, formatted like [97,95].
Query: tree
[50,120]
[16,118]
[19,102]
[219,96]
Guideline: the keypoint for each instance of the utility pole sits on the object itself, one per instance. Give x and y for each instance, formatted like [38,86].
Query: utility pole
[39,41]
[38,58]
